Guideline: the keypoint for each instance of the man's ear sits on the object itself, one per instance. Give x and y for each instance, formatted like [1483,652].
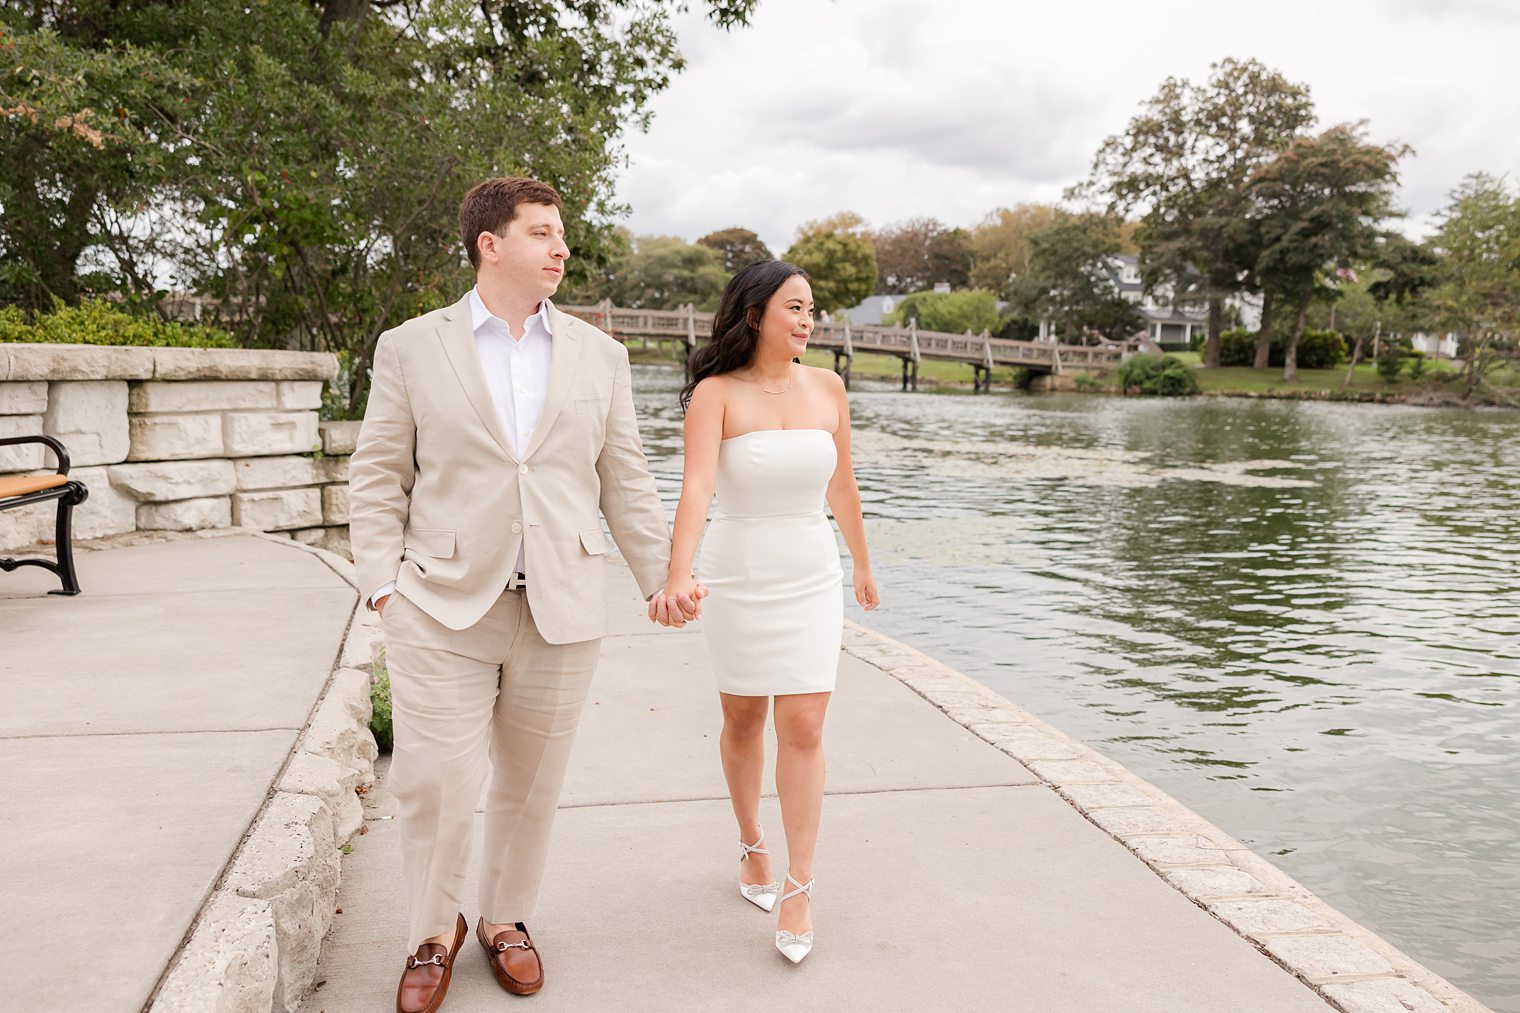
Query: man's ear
[486,243]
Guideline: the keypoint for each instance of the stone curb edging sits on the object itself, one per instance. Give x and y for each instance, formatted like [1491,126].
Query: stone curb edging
[255,944]
[1352,968]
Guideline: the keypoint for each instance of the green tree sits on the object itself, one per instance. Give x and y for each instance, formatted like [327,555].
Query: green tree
[664,272]
[304,179]
[1070,279]
[970,309]
[838,256]
[1000,248]
[1184,163]
[1478,293]
[738,247]
[1318,205]
[919,254]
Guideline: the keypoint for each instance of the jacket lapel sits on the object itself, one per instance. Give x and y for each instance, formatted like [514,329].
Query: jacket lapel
[458,339]
[564,358]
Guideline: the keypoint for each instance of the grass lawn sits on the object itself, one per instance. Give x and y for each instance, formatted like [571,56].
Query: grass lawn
[1244,379]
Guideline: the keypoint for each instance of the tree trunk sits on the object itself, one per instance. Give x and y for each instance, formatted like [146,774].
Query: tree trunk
[1356,355]
[1264,334]
[1290,357]
[1216,319]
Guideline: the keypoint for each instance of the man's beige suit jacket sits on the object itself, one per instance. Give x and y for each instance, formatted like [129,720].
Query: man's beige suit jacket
[439,502]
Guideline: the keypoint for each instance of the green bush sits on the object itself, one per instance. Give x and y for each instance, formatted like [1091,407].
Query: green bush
[1391,363]
[98,322]
[1087,382]
[1316,349]
[1417,365]
[1163,375]
[380,697]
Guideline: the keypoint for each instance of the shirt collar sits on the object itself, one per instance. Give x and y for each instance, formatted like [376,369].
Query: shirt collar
[479,315]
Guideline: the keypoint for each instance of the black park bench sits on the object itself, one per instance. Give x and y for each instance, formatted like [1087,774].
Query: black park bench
[24,490]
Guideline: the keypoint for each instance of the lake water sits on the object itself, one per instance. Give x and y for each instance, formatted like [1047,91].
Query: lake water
[1300,619]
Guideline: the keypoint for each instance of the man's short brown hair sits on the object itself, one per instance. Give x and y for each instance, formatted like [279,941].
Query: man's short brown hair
[491,206]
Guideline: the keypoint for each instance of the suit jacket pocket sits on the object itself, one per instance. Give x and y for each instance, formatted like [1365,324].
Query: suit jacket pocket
[596,406]
[435,542]
[593,541]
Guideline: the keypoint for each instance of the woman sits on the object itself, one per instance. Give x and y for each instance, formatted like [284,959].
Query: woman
[772,438]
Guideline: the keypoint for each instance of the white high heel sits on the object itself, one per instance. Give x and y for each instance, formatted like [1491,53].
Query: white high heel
[762,895]
[795,947]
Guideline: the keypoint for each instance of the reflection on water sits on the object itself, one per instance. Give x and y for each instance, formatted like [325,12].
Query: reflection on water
[1300,619]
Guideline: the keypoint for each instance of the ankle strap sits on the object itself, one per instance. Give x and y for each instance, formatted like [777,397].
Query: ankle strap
[751,849]
[802,890]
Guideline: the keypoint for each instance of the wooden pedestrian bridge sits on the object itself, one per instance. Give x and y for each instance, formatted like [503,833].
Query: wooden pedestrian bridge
[685,328]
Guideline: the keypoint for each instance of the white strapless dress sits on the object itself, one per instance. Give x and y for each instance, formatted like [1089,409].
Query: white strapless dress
[774,620]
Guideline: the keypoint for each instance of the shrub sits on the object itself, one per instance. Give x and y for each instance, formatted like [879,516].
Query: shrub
[1087,382]
[98,322]
[1316,349]
[380,697]
[1391,363]
[1164,375]
[1417,365]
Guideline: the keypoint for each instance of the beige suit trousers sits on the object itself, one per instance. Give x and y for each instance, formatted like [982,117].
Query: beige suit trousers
[494,690]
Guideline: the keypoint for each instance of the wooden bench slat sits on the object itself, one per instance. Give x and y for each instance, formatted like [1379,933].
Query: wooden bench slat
[20,485]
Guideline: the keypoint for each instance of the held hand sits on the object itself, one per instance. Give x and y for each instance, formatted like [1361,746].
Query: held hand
[684,598]
[865,589]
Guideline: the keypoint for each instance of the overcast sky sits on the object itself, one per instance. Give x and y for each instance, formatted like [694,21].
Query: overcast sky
[900,108]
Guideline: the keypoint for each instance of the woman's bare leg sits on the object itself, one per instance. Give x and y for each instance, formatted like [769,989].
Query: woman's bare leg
[799,783]
[742,745]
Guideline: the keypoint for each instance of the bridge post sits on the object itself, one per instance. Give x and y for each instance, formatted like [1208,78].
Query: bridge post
[846,356]
[691,338]
[987,359]
[913,343]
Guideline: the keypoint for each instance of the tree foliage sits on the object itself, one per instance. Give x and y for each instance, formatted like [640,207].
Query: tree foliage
[920,253]
[1184,164]
[1070,279]
[304,179]
[1316,206]
[1478,288]
[738,247]
[837,254]
[1000,245]
[971,309]
[664,273]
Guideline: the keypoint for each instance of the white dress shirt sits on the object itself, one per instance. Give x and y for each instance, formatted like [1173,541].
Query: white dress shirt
[517,375]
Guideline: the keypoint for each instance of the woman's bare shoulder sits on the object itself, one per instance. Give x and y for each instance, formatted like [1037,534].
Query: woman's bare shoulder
[825,376]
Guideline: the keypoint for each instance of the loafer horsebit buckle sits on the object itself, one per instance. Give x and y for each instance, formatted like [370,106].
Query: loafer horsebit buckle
[413,962]
[526,944]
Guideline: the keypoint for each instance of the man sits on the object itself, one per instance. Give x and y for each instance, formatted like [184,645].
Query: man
[496,429]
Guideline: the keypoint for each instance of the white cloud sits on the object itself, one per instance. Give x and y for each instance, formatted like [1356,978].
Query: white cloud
[899,108]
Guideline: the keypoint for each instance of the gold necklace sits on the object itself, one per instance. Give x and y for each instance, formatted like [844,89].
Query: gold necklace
[783,390]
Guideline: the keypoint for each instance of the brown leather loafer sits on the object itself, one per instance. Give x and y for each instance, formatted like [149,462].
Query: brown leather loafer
[425,981]
[513,958]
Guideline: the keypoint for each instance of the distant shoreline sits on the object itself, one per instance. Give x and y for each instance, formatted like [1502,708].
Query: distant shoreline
[1423,396]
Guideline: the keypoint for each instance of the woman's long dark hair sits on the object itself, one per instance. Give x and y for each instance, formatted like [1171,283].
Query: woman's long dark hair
[736,325]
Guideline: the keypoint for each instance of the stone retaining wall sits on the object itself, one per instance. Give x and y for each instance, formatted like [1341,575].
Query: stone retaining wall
[178,439]
[255,943]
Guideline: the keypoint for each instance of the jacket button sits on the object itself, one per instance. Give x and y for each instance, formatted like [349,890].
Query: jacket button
[516,528]
[522,469]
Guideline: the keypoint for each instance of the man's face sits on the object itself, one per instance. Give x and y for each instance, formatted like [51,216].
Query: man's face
[530,257]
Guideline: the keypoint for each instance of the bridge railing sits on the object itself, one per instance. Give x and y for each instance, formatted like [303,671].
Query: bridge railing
[686,323]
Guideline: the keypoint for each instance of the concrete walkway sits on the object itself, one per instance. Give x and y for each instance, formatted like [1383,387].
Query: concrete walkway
[949,876]
[143,726]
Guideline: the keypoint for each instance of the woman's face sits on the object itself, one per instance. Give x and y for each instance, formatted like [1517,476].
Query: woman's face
[788,319]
